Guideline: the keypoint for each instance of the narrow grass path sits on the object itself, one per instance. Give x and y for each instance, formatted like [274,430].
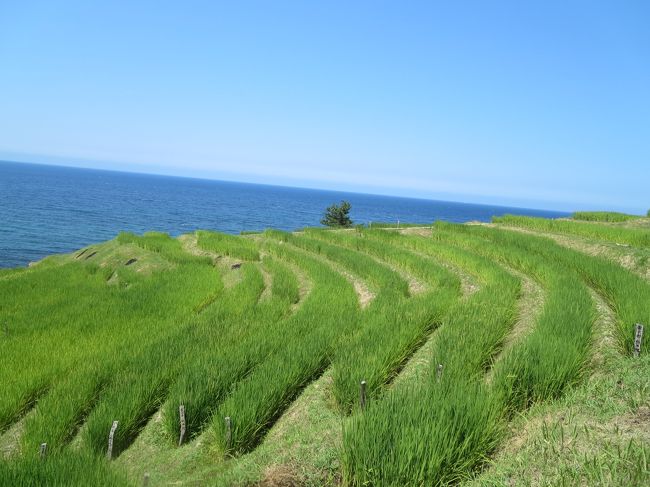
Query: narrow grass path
[468,283]
[268,282]
[636,260]
[10,439]
[604,342]
[597,434]
[230,276]
[305,284]
[300,449]
[364,292]
[529,307]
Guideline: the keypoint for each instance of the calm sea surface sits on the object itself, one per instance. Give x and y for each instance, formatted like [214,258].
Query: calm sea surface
[49,209]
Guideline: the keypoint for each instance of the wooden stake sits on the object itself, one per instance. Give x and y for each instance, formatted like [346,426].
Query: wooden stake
[439,372]
[638,337]
[362,395]
[181,413]
[109,453]
[228,432]
[43,450]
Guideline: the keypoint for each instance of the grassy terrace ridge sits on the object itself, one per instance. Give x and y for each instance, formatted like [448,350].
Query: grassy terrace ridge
[532,320]
[603,216]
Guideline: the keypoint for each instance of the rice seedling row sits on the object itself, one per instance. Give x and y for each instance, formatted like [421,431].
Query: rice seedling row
[121,330]
[636,237]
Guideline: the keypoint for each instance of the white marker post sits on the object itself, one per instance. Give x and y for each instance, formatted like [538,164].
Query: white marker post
[638,338]
[43,449]
[362,395]
[181,413]
[109,453]
[439,372]
[228,432]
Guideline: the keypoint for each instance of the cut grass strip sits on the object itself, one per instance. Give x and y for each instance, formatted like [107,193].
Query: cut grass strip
[637,237]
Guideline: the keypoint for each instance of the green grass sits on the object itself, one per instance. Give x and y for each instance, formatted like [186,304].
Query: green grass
[636,237]
[603,216]
[230,245]
[438,429]
[597,434]
[63,470]
[130,329]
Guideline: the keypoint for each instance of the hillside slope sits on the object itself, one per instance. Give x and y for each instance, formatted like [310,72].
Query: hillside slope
[498,354]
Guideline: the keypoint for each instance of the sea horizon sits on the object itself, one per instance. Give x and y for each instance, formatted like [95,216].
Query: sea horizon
[77,206]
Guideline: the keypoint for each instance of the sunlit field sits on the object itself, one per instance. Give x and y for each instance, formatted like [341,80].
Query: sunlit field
[425,355]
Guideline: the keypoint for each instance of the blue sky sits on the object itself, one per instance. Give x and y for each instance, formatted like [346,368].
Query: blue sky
[542,104]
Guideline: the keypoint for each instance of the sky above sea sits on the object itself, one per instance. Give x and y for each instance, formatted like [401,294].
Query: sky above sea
[540,104]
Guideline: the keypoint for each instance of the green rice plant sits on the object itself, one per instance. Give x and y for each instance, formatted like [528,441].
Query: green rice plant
[603,216]
[230,245]
[554,355]
[35,303]
[378,348]
[397,225]
[482,269]
[151,372]
[330,311]
[68,469]
[170,248]
[422,435]
[636,237]
[223,352]
[7,273]
[388,335]
[378,244]
[62,410]
[627,293]
[91,340]
[380,276]
[84,320]
[466,344]
[393,327]
[284,284]
[135,393]
[260,398]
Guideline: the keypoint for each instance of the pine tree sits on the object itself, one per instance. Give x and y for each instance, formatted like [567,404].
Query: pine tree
[337,215]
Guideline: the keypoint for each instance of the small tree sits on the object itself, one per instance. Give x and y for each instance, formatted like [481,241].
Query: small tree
[337,215]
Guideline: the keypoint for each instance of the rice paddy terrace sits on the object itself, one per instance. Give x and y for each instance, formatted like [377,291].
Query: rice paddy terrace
[501,354]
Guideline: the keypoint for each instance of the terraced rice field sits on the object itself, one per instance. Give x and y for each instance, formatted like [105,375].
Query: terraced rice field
[497,354]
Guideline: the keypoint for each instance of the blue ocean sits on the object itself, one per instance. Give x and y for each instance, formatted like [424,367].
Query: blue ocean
[51,209]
